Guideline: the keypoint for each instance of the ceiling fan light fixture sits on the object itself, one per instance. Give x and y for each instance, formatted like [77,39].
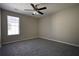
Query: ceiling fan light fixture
[35,13]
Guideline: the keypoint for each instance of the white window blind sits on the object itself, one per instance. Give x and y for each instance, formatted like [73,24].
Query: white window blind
[13,25]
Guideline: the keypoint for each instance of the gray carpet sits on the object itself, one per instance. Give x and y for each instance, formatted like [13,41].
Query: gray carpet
[0,51]
[39,47]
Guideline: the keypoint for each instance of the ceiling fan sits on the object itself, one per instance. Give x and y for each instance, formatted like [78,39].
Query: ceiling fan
[36,9]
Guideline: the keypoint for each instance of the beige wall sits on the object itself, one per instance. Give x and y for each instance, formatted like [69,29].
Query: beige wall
[0,27]
[28,27]
[62,26]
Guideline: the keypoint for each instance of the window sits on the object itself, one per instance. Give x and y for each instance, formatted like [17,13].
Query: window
[13,25]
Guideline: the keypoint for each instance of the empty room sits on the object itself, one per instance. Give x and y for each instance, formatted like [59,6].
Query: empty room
[39,29]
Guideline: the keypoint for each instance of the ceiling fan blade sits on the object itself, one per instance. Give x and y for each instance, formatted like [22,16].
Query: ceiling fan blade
[40,12]
[42,8]
[33,6]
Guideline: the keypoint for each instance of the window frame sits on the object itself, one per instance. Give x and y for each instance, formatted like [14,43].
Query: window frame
[18,27]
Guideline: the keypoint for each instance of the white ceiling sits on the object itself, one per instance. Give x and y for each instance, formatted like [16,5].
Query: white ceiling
[51,7]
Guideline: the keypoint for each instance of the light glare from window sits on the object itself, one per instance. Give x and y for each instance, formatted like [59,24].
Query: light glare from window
[13,25]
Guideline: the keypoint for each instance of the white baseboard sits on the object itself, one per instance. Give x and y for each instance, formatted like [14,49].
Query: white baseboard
[43,38]
[19,40]
[59,41]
